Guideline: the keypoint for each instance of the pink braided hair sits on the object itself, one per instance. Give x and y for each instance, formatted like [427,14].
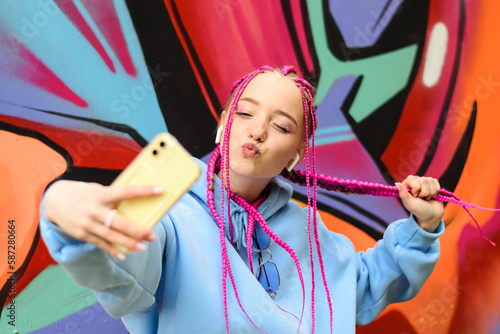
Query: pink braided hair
[305,88]
[222,151]
[226,266]
[253,214]
[299,177]
[375,189]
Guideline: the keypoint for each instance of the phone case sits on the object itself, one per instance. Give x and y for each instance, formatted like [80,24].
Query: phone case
[165,163]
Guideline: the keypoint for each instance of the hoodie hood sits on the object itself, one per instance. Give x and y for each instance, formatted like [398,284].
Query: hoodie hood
[280,193]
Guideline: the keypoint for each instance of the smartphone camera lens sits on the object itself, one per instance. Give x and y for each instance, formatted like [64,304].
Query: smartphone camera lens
[162,144]
[155,152]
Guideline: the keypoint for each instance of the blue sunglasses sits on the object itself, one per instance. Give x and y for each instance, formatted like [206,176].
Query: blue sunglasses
[267,272]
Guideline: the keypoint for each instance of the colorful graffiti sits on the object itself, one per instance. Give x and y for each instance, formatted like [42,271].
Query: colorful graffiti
[403,87]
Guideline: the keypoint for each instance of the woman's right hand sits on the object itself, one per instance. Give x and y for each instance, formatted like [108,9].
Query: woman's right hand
[81,210]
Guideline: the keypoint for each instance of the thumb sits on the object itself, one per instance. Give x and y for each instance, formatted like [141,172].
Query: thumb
[403,192]
[122,193]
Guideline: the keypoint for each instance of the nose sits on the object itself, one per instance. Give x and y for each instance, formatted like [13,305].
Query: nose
[258,133]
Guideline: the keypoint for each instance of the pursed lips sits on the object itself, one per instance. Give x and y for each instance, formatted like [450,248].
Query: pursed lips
[250,150]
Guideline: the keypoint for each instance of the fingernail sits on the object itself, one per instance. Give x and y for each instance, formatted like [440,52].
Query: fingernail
[140,246]
[157,190]
[398,185]
[120,256]
[151,237]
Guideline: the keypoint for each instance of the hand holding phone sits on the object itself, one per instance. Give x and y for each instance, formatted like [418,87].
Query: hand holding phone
[165,163]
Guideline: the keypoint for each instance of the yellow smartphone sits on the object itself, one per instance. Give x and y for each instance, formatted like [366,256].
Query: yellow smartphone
[165,163]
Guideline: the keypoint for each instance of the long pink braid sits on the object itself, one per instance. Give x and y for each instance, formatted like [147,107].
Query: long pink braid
[243,82]
[225,142]
[308,187]
[375,189]
[251,224]
[307,95]
[226,266]
[253,214]
[306,91]
[238,89]
[262,222]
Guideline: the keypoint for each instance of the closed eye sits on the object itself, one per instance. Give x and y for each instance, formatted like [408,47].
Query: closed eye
[242,113]
[282,129]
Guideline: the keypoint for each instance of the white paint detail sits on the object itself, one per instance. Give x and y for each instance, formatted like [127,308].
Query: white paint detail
[436,52]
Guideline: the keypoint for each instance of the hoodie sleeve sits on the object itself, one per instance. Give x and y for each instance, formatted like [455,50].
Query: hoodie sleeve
[121,287]
[396,268]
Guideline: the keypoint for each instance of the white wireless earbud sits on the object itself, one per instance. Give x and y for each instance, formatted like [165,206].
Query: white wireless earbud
[294,163]
[218,135]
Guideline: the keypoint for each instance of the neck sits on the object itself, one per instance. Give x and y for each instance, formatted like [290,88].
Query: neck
[248,189]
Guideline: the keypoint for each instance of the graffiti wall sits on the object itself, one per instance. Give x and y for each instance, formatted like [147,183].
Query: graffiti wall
[403,87]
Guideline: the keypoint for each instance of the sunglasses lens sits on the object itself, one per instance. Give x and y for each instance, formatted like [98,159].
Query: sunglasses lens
[268,276]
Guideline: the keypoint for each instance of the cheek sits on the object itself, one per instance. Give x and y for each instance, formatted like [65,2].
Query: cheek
[285,152]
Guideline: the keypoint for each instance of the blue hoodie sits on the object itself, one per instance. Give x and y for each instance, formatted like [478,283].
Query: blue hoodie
[175,285]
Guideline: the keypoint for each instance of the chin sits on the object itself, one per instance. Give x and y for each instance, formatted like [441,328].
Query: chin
[249,172]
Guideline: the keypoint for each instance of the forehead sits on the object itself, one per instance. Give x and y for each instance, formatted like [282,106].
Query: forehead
[276,91]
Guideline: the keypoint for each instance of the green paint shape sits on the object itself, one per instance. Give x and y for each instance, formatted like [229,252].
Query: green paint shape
[383,76]
[50,297]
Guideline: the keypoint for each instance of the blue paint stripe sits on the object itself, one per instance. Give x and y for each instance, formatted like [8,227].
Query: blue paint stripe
[334,139]
[333,129]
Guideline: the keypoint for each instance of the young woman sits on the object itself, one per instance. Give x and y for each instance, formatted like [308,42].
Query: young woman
[235,254]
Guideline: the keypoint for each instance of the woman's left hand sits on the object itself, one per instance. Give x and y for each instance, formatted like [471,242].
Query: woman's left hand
[420,200]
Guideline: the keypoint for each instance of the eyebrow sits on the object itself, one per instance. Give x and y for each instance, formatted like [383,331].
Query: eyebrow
[279,111]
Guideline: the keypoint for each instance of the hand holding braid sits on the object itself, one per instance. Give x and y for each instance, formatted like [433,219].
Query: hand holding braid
[375,189]
[417,195]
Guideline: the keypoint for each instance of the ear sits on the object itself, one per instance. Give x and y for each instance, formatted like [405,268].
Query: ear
[223,118]
[302,148]
[298,156]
